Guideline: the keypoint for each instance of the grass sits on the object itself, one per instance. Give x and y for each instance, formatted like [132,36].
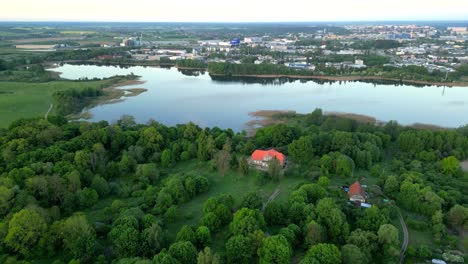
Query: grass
[232,183]
[97,213]
[417,237]
[27,100]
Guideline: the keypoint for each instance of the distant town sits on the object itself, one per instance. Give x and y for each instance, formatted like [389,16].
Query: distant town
[435,48]
[403,45]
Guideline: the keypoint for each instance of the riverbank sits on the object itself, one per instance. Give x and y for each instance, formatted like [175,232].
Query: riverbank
[265,118]
[112,94]
[345,78]
[276,76]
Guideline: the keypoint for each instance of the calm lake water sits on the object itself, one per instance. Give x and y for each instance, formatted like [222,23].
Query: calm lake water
[174,98]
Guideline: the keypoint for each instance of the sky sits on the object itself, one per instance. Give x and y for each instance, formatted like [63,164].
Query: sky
[232,10]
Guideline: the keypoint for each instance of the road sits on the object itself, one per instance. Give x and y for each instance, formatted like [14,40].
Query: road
[48,111]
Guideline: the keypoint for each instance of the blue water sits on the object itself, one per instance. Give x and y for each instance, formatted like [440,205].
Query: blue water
[174,98]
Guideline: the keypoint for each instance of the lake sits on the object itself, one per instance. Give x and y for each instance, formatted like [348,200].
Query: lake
[175,98]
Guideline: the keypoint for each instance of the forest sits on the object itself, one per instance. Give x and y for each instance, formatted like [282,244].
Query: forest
[123,192]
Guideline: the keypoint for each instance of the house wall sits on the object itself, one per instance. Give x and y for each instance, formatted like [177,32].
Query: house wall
[357,198]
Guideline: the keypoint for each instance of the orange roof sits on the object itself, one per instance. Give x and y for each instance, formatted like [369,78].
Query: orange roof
[261,154]
[355,188]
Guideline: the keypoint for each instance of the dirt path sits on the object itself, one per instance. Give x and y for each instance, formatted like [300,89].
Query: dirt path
[48,111]
[405,237]
[273,196]
[464,165]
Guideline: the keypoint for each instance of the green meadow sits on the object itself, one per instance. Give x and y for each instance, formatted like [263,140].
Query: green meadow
[26,100]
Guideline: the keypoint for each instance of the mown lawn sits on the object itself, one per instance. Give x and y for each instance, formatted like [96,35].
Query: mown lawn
[26,100]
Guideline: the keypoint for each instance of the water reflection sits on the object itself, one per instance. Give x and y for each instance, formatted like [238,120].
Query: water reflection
[178,96]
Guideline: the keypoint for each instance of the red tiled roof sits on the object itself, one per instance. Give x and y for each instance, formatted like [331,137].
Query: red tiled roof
[261,154]
[355,188]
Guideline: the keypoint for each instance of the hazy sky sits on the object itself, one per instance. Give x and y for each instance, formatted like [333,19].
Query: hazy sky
[233,10]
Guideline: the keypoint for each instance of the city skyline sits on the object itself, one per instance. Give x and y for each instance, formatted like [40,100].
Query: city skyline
[238,11]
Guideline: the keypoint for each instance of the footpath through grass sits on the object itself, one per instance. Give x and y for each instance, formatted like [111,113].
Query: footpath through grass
[26,100]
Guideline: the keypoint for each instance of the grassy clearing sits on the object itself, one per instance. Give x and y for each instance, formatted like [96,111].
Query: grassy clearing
[26,100]
[97,213]
[417,237]
[232,183]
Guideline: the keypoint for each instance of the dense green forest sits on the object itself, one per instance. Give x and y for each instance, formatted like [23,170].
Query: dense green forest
[80,192]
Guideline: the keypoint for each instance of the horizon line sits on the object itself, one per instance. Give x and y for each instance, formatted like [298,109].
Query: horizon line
[233,22]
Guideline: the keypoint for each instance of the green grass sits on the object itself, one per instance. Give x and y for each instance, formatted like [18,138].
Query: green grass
[26,100]
[97,213]
[232,183]
[417,237]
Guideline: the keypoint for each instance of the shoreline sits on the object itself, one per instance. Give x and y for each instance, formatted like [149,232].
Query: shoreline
[112,94]
[264,118]
[344,78]
[275,76]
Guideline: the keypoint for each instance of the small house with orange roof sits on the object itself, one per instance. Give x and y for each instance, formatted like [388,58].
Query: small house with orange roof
[262,158]
[357,193]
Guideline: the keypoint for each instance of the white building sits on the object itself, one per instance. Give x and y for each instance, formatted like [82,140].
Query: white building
[359,62]
[253,39]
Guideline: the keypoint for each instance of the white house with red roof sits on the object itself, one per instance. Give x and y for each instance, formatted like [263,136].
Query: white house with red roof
[357,193]
[261,158]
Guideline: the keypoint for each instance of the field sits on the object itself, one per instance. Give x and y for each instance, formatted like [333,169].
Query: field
[25,100]
[78,32]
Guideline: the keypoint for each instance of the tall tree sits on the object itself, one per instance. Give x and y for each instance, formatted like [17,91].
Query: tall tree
[351,254]
[184,252]
[206,256]
[323,254]
[274,169]
[223,158]
[166,159]
[243,166]
[458,216]
[24,231]
[6,197]
[246,221]
[238,250]
[388,238]
[313,234]
[301,150]
[152,239]
[79,237]
[275,249]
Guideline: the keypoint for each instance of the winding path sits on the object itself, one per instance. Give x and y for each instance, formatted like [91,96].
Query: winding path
[404,246]
[48,111]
